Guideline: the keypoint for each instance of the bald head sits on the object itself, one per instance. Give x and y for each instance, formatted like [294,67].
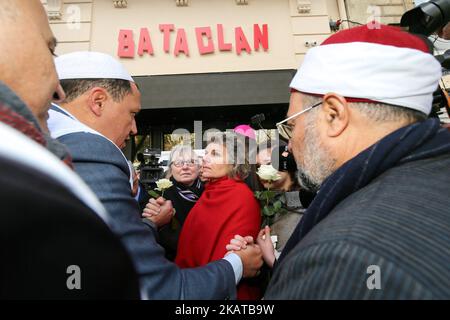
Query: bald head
[7,12]
[26,62]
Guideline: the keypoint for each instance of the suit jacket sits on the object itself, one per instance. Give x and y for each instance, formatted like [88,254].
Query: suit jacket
[399,223]
[104,168]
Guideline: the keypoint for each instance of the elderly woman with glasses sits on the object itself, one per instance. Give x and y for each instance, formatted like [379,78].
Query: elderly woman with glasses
[187,188]
[226,208]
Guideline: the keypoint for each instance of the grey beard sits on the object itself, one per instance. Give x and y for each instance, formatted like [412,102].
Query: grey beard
[305,182]
[317,163]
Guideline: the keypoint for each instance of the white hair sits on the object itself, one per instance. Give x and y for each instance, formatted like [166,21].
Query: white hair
[374,111]
[180,151]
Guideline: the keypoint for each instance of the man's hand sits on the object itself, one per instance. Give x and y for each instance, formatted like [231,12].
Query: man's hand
[251,258]
[159,211]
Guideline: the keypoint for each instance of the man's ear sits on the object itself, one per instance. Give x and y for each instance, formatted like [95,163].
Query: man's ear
[337,115]
[96,100]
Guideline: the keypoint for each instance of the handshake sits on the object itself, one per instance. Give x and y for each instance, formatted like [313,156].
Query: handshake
[160,211]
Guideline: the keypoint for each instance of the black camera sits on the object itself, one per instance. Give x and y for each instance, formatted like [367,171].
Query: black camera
[427,18]
[282,159]
[150,171]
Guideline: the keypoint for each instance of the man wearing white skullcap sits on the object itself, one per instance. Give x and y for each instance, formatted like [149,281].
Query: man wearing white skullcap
[94,121]
[357,125]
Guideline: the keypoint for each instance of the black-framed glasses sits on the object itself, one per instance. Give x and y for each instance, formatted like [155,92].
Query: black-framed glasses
[285,130]
[181,163]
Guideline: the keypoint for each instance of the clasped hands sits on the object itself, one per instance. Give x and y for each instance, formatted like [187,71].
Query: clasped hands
[161,211]
[263,241]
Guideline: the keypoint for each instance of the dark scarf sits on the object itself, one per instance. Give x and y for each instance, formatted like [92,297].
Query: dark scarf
[415,142]
[14,113]
[189,193]
[184,197]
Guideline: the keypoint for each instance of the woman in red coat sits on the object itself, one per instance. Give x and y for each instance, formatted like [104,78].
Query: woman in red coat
[226,208]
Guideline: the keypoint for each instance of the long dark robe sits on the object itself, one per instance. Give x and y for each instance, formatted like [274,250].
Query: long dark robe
[183,199]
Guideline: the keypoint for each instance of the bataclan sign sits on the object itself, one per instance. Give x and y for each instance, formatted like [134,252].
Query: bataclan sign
[207,43]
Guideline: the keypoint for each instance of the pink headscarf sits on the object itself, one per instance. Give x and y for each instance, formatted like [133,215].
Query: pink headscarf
[245,130]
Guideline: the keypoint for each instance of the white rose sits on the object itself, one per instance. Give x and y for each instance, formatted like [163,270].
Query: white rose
[163,184]
[268,173]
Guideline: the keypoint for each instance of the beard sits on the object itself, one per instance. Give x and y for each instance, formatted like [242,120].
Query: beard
[316,163]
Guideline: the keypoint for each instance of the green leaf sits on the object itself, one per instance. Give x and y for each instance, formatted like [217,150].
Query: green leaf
[154,194]
[270,195]
[268,211]
[277,205]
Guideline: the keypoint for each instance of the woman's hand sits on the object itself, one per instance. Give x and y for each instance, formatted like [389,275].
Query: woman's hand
[265,243]
[160,211]
[239,242]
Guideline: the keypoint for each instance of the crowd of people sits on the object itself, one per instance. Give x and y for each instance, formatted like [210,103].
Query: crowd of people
[372,168]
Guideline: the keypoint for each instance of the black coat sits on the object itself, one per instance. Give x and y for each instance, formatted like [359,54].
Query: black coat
[169,234]
[44,229]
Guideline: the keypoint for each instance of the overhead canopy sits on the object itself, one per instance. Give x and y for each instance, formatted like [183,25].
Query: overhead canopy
[215,89]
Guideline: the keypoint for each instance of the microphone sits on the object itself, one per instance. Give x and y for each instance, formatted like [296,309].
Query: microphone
[257,119]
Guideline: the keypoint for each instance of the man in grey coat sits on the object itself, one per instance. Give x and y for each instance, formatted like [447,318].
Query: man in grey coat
[94,122]
[379,227]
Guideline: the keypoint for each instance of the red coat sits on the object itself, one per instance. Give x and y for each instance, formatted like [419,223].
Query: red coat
[227,207]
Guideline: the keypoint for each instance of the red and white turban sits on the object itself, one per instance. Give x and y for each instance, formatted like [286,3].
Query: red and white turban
[365,64]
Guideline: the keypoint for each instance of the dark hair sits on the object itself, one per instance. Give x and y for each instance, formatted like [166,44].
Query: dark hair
[273,144]
[267,144]
[117,88]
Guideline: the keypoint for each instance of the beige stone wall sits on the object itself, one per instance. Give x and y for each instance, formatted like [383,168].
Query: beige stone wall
[389,11]
[310,29]
[291,33]
[71,23]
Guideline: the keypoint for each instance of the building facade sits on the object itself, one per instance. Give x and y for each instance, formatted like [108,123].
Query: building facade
[215,61]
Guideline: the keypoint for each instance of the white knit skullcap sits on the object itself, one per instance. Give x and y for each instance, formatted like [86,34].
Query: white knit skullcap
[381,64]
[90,65]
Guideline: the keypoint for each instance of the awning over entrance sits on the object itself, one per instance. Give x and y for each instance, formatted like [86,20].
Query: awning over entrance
[215,89]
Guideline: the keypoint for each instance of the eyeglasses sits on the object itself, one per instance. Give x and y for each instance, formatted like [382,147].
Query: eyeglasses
[285,130]
[181,163]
